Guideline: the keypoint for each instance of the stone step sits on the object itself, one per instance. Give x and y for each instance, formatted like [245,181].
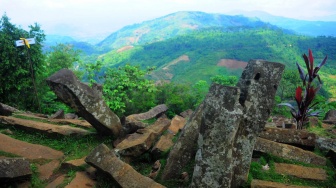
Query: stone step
[301,171]
[43,127]
[27,150]
[268,184]
[288,152]
[77,122]
[81,180]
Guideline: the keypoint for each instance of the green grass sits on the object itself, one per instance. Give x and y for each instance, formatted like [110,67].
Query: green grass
[73,147]
[256,172]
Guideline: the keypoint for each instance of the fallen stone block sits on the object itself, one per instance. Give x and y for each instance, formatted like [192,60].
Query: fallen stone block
[81,180]
[58,115]
[268,184]
[177,124]
[301,171]
[137,143]
[46,128]
[104,159]
[159,109]
[325,144]
[288,152]
[86,101]
[13,169]
[163,145]
[6,110]
[27,150]
[288,136]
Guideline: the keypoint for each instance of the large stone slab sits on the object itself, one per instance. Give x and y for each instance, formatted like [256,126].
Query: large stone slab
[289,136]
[301,171]
[185,147]
[46,128]
[177,124]
[86,101]
[159,109]
[326,144]
[141,141]
[27,150]
[104,159]
[12,169]
[268,184]
[288,152]
[6,110]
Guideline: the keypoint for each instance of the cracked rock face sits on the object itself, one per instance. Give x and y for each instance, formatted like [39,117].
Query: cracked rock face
[86,101]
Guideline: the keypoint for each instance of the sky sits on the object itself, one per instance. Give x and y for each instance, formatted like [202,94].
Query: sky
[99,18]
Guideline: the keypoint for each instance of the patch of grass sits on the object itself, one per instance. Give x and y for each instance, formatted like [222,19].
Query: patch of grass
[5,154]
[73,147]
[320,131]
[256,172]
[35,180]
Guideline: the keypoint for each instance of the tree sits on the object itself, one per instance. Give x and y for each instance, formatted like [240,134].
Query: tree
[61,56]
[225,80]
[16,85]
[127,91]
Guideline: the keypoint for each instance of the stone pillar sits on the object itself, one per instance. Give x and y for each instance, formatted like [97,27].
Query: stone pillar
[231,120]
[258,85]
[221,118]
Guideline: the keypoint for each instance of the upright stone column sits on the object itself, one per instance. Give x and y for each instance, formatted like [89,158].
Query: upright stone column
[231,120]
[258,85]
[221,118]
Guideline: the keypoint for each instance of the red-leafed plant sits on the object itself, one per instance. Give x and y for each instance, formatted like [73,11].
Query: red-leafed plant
[305,95]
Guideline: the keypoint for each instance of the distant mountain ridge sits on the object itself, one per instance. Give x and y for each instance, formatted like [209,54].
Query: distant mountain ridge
[175,24]
[304,27]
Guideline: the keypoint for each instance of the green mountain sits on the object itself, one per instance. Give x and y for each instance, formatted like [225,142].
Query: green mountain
[203,54]
[193,46]
[176,24]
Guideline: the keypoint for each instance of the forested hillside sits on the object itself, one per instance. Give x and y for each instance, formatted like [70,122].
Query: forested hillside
[203,51]
[173,25]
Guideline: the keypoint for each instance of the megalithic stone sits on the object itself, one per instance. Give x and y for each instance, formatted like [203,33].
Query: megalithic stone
[185,148]
[87,102]
[258,85]
[231,120]
[222,114]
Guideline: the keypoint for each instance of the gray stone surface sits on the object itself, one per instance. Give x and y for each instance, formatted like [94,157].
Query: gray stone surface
[6,110]
[231,121]
[288,152]
[289,136]
[185,147]
[258,85]
[87,102]
[12,169]
[221,118]
[326,144]
[159,109]
[58,115]
[104,159]
[330,115]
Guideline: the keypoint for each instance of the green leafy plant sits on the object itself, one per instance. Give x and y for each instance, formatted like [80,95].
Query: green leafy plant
[305,95]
